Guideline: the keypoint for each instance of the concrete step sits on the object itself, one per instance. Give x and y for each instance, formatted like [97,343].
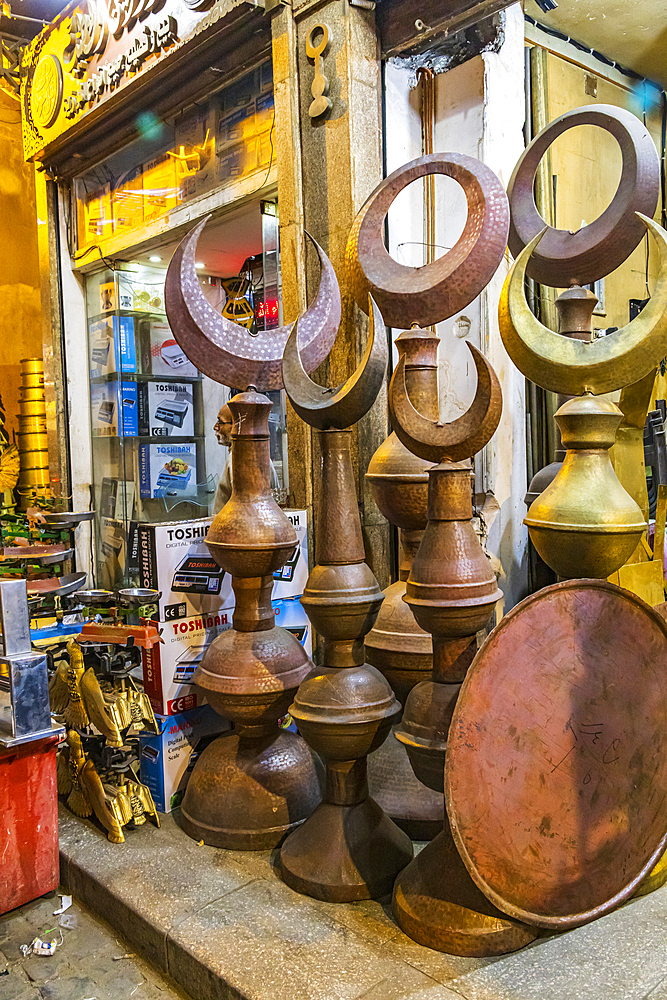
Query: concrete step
[224,926]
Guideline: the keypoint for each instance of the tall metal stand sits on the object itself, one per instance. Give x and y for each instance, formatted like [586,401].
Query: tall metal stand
[349,848]
[396,644]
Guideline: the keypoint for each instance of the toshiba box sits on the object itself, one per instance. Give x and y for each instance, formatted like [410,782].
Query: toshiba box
[167,760]
[174,558]
[169,665]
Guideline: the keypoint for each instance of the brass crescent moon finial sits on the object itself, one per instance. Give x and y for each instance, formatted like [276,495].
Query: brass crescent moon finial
[429,294]
[343,406]
[455,441]
[591,252]
[225,351]
[574,367]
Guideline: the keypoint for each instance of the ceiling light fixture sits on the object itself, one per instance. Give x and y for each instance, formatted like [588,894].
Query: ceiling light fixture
[155,259]
[199,264]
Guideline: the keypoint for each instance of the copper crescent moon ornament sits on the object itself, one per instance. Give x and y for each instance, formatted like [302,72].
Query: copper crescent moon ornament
[426,295]
[227,352]
[574,367]
[343,406]
[581,257]
[455,441]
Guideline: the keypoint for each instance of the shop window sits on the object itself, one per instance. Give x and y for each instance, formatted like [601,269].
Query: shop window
[222,142]
[156,455]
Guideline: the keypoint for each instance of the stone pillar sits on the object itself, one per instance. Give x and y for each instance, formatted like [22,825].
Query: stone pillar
[327,167]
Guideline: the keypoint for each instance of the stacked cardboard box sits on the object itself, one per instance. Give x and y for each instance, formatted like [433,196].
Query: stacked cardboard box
[197,603]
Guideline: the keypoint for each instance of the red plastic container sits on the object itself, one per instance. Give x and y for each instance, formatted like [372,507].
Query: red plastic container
[28,822]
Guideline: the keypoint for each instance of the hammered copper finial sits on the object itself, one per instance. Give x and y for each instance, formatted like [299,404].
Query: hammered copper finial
[429,294]
[347,403]
[348,848]
[460,439]
[595,250]
[571,366]
[227,352]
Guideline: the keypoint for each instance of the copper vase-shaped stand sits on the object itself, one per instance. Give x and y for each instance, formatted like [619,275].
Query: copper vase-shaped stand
[251,787]
[396,644]
[452,592]
[349,848]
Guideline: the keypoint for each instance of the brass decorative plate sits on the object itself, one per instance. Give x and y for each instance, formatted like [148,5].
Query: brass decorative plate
[556,768]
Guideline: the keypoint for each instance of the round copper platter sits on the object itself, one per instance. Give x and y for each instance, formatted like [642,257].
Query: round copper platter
[556,768]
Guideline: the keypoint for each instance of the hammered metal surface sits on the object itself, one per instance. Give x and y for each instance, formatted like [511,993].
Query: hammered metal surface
[572,366]
[429,294]
[345,404]
[559,729]
[229,353]
[460,439]
[595,250]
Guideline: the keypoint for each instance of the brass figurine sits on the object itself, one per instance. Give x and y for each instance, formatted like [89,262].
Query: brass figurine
[114,804]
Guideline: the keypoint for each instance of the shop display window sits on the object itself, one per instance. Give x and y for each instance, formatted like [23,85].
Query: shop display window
[222,140]
[155,453]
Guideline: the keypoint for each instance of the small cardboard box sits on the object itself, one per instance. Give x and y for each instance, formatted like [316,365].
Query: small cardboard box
[112,346]
[111,402]
[169,666]
[161,353]
[167,760]
[166,409]
[168,470]
[291,616]
[290,579]
[175,559]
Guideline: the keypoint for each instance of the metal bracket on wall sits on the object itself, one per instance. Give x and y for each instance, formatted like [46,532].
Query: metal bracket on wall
[10,61]
[317,46]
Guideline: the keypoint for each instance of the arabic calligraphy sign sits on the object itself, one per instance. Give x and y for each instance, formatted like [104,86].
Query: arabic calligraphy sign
[93,50]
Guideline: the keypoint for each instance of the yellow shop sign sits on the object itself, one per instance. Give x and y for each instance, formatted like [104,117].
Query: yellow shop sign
[90,52]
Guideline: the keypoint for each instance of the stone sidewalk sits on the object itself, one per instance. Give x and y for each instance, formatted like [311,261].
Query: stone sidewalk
[224,926]
[90,963]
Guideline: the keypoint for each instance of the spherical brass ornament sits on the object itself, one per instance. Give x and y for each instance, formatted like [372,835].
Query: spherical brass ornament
[585,524]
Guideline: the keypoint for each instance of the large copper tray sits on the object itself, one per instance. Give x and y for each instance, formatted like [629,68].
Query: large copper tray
[556,771]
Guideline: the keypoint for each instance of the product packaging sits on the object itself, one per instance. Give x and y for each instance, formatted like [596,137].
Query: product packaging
[166,409]
[112,346]
[161,355]
[168,470]
[174,559]
[169,666]
[167,760]
[290,579]
[111,402]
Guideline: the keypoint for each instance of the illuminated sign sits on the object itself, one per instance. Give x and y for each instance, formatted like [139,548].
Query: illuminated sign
[94,49]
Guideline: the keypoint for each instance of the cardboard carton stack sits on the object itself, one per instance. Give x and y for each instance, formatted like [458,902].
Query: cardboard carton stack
[196,605]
